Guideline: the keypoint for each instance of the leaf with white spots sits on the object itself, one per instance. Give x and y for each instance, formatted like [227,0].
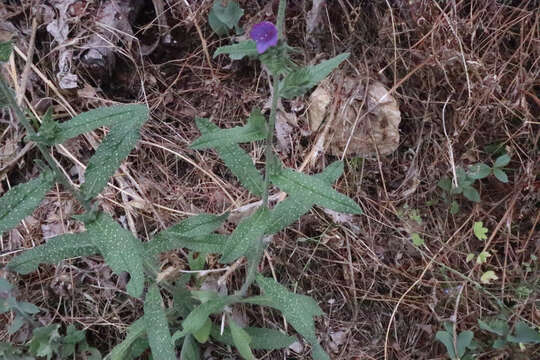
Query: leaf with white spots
[121,250]
[159,338]
[236,159]
[116,146]
[261,338]
[254,130]
[299,310]
[126,115]
[246,235]
[293,207]
[313,189]
[22,199]
[211,243]
[53,251]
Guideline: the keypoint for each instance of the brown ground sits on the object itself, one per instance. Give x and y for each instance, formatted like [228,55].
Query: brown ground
[472,64]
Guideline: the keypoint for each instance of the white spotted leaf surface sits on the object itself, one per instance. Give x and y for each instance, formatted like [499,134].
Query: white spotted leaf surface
[120,249]
[293,207]
[254,130]
[246,235]
[126,114]
[314,189]
[299,310]
[159,338]
[261,338]
[116,146]
[211,243]
[241,340]
[22,199]
[53,251]
[236,159]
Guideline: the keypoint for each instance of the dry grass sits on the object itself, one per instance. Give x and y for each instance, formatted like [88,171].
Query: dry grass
[465,74]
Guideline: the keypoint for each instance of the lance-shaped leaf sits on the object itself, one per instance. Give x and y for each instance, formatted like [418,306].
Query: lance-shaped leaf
[241,340]
[198,225]
[254,130]
[247,233]
[211,243]
[53,251]
[22,199]
[134,332]
[236,159]
[190,349]
[127,115]
[121,250]
[299,310]
[313,189]
[293,207]
[261,338]
[299,81]
[197,318]
[159,338]
[117,145]
[239,50]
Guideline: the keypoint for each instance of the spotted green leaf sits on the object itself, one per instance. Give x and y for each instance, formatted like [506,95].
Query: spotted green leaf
[53,251]
[211,243]
[22,199]
[159,338]
[300,81]
[261,338]
[314,189]
[120,249]
[246,235]
[236,159]
[241,340]
[116,146]
[239,50]
[254,130]
[294,206]
[299,310]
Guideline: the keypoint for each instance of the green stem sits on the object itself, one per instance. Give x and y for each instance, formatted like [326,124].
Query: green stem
[19,115]
[270,138]
[254,262]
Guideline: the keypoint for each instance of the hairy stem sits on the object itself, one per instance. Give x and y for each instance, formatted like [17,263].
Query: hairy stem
[19,116]
[253,262]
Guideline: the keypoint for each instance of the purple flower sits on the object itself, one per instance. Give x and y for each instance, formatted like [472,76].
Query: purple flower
[265,35]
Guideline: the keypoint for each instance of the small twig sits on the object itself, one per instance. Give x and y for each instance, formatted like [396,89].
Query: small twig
[450,150]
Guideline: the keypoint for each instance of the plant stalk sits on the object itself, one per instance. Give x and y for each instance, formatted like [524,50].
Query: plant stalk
[19,116]
[271,127]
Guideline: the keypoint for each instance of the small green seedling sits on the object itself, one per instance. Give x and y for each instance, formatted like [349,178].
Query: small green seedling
[457,350]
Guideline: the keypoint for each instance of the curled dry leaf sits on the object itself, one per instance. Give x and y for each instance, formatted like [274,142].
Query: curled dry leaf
[367,120]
